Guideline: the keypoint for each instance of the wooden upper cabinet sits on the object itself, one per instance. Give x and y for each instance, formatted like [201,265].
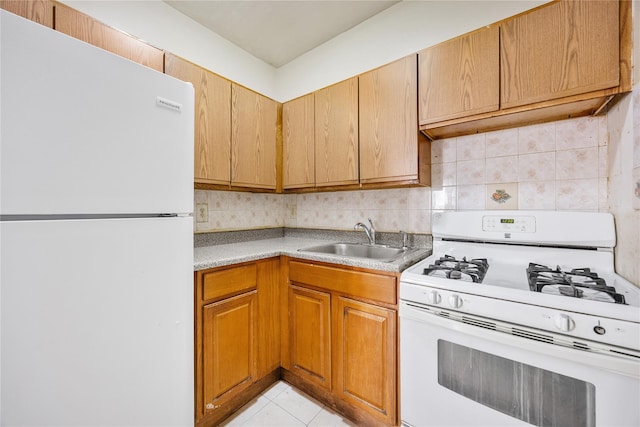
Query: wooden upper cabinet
[567,48]
[87,29]
[336,134]
[298,168]
[253,139]
[40,11]
[389,122]
[212,163]
[460,77]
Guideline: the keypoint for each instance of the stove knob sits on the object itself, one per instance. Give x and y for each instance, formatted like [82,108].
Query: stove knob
[434,297]
[455,301]
[564,322]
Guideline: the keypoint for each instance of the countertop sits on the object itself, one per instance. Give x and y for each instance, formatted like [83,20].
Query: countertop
[233,253]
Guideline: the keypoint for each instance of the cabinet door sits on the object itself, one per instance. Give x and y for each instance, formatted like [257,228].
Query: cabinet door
[40,11]
[365,357]
[336,134]
[564,49]
[212,161]
[460,77]
[229,348]
[253,139]
[310,335]
[87,29]
[389,122]
[298,143]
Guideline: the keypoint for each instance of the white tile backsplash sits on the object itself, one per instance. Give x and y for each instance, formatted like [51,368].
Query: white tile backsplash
[502,169]
[502,143]
[577,164]
[471,147]
[578,133]
[537,138]
[537,166]
[537,195]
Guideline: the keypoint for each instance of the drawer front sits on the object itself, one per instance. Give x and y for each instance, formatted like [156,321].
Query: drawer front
[355,283]
[231,281]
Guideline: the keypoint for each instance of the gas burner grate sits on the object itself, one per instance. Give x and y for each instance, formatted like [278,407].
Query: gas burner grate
[449,267]
[577,283]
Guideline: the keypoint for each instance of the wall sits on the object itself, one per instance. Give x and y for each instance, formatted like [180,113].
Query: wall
[624,169]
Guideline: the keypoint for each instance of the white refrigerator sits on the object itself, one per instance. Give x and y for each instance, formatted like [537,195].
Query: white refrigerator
[96,236]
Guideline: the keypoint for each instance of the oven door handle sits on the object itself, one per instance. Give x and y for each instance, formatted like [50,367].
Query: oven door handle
[622,364]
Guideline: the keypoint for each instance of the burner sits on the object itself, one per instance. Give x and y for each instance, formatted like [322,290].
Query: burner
[577,283]
[449,267]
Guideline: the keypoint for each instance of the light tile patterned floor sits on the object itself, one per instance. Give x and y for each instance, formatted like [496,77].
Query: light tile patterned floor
[283,405]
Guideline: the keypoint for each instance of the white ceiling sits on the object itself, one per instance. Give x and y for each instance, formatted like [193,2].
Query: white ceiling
[279,31]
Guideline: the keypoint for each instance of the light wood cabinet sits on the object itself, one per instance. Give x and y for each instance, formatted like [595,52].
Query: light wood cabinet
[460,77]
[253,139]
[351,315]
[565,59]
[366,357]
[87,29]
[212,162]
[237,337]
[268,278]
[40,11]
[388,125]
[298,138]
[564,49]
[336,134]
[229,345]
[310,334]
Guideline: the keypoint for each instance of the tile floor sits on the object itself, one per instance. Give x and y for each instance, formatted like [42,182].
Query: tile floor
[283,405]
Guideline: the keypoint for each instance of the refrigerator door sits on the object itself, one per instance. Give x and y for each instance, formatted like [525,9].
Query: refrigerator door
[97,322]
[83,131]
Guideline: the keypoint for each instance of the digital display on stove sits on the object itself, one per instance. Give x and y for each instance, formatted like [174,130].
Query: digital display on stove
[507,221]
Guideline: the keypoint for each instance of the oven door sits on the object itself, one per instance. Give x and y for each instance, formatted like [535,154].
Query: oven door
[457,374]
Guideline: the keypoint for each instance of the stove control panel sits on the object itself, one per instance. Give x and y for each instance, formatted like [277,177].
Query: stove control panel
[509,224]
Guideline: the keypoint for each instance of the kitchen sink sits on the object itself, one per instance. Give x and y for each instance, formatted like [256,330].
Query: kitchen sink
[359,250]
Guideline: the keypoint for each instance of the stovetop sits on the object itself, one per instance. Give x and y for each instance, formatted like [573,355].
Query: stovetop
[507,276]
[552,271]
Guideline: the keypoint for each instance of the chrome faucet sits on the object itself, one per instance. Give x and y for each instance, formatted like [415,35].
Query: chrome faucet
[369,231]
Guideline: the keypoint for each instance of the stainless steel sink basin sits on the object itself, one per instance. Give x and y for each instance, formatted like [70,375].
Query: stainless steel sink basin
[357,250]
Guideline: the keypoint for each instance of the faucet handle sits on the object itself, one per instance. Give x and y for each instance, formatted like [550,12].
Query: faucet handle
[405,239]
[371,222]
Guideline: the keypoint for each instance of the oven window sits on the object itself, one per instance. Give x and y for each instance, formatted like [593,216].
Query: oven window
[533,395]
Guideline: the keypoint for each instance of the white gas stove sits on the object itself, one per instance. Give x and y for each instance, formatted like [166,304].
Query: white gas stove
[532,290]
[604,308]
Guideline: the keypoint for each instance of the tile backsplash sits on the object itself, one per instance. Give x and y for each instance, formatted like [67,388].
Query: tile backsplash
[553,166]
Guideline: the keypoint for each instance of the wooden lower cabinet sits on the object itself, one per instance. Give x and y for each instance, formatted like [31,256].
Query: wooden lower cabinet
[229,343]
[329,330]
[237,353]
[340,339]
[310,335]
[365,357]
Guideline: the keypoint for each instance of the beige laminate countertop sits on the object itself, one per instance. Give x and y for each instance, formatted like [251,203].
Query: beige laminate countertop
[234,253]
